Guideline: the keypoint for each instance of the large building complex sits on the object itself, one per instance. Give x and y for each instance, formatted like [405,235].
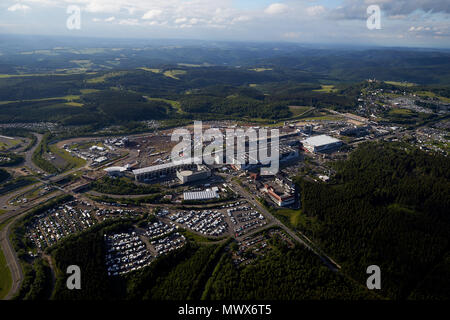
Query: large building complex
[186,176]
[161,170]
[321,143]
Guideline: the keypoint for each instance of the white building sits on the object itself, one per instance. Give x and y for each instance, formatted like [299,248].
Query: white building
[321,143]
[202,195]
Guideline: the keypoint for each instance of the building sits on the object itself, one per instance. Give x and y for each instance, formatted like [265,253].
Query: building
[207,194]
[162,170]
[355,131]
[286,153]
[321,143]
[279,195]
[186,176]
[115,171]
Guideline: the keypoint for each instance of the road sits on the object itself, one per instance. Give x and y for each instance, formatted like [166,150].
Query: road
[29,154]
[325,259]
[11,259]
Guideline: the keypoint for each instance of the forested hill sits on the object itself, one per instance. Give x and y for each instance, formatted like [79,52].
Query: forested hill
[389,206]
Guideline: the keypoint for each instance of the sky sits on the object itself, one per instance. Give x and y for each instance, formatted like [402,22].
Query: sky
[413,23]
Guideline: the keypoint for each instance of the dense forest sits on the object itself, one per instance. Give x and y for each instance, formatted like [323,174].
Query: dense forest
[388,206]
[130,93]
[202,272]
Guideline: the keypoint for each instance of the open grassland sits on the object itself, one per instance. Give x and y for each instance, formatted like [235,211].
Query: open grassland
[261,69]
[327,89]
[103,78]
[429,94]
[151,70]
[401,84]
[399,111]
[69,98]
[72,162]
[174,74]
[88,91]
[175,104]
[299,110]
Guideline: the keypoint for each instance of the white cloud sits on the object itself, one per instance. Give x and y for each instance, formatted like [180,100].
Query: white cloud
[19,7]
[315,10]
[276,8]
[151,14]
[180,20]
[129,22]
[110,19]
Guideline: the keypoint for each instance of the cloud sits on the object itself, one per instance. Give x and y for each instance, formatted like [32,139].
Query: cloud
[152,14]
[356,9]
[110,19]
[19,7]
[276,8]
[129,22]
[180,20]
[315,10]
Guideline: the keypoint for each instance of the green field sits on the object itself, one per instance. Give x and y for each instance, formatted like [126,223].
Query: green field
[261,69]
[72,162]
[103,78]
[175,104]
[326,89]
[401,84]
[174,74]
[400,112]
[430,94]
[151,70]
[299,110]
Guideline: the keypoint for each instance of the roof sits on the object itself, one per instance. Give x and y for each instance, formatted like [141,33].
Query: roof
[115,169]
[200,195]
[321,140]
[163,166]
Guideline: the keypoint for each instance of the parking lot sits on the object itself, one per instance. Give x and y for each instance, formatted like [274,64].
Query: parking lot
[171,242]
[126,252]
[57,223]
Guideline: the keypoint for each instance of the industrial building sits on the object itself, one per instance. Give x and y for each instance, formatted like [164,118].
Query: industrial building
[186,176]
[207,194]
[321,143]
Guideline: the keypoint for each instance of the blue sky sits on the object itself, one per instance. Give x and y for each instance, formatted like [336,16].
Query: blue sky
[403,22]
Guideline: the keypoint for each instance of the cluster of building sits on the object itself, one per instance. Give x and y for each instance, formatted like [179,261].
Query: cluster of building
[171,242]
[57,223]
[125,252]
[206,222]
[96,153]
